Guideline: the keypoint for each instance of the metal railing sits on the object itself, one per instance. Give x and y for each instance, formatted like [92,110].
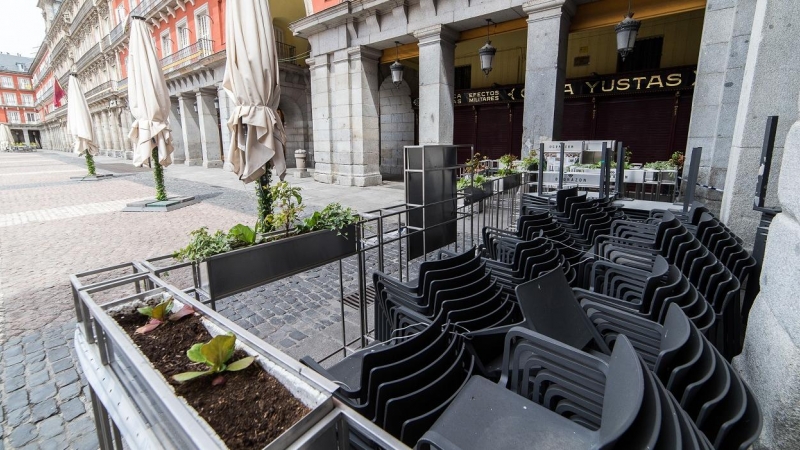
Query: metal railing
[116,33]
[80,15]
[286,53]
[100,88]
[144,7]
[45,95]
[59,48]
[187,55]
[87,57]
[122,84]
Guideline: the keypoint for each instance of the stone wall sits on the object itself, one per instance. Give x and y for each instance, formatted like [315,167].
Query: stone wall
[770,362]
[397,125]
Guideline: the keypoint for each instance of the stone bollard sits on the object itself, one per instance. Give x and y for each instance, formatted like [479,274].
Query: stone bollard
[300,159]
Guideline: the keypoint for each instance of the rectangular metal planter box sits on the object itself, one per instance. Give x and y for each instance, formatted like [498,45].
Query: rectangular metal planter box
[510,182]
[240,270]
[168,418]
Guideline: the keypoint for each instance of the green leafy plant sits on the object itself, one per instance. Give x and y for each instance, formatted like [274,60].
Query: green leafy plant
[264,195]
[290,201]
[476,180]
[677,159]
[203,245]
[507,165]
[242,236]
[90,164]
[215,354]
[530,160]
[161,313]
[158,174]
[660,165]
[333,217]
[476,164]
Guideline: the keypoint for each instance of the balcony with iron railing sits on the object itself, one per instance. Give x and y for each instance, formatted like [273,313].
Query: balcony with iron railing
[286,53]
[59,47]
[187,55]
[122,84]
[88,57]
[80,15]
[117,33]
[102,87]
[143,8]
[44,96]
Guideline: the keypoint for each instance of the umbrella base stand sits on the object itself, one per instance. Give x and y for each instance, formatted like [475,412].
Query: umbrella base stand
[153,205]
[97,177]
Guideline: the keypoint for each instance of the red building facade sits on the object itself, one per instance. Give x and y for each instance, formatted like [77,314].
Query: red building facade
[18,99]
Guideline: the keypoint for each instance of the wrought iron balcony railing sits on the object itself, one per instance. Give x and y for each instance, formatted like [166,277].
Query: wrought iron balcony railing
[88,56]
[187,55]
[143,8]
[59,47]
[286,53]
[102,87]
[80,15]
[122,84]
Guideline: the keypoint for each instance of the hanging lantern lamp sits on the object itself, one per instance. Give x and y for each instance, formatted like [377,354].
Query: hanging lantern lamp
[487,52]
[626,33]
[396,67]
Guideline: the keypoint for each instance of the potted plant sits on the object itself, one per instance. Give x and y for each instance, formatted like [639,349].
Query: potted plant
[531,162]
[245,258]
[244,394]
[475,187]
[509,176]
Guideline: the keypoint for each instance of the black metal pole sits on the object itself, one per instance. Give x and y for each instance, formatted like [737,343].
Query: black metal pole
[601,184]
[619,185]
[542,162]
[561,167]
[766,162]
[691,178]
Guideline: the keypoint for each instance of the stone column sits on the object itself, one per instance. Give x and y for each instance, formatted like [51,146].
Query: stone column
[545,70]
[771,352]
[113,130]
[209,130]
[723,53]
[25,136]
[176,131]
[127,121]
[436,84]
[225,107]
[191,130]
[364,149]
[100,135]
[320,68]
[767,90]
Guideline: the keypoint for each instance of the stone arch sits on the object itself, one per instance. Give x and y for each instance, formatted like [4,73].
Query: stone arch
[397,125]
[294,122]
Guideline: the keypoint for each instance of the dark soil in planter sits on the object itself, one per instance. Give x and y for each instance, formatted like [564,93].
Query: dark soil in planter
[249,410]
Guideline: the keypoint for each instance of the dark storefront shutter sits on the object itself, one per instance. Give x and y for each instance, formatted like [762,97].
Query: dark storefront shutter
[682,123]
[494,131]
[577,122]
[643,123]
[464,131]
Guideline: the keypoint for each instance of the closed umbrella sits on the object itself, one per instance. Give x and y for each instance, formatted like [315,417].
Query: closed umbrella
[79,123]
[6,138]
[251,80]
[149,102]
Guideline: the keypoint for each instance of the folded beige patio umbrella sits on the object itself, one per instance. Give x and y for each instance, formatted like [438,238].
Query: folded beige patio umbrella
[6,138]
[148,98]
[251,80]
[79,119]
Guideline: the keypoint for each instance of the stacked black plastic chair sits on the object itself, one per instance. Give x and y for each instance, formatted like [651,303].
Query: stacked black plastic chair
[403,388]
[638,245]
[553,396]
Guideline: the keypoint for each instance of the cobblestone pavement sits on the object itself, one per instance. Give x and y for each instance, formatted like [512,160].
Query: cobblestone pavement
[51,226]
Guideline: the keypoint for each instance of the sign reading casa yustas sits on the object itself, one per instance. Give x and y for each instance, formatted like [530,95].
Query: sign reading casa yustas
[617,84]
[666,79]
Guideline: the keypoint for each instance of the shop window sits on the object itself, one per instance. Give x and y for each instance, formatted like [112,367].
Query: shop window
[646,55]
[463,77]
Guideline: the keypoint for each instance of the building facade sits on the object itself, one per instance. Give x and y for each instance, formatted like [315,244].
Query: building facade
[556,75]
[17,98]
[89,37]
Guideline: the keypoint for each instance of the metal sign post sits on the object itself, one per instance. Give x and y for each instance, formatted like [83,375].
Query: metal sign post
[540,179]
[601,185]
[619,186]
[691,178]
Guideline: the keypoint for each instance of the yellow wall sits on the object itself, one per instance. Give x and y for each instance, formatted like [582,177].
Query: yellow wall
[285,12]
[681,34]
[509,62]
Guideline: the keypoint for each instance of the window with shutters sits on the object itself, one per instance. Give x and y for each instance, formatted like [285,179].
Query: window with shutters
[202,22]
[183,34]
[7,82]
[31,117]
[13,117]
[10,99]
[27,99]
[121,14]
[463,77]
[646,55]
[166,44]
